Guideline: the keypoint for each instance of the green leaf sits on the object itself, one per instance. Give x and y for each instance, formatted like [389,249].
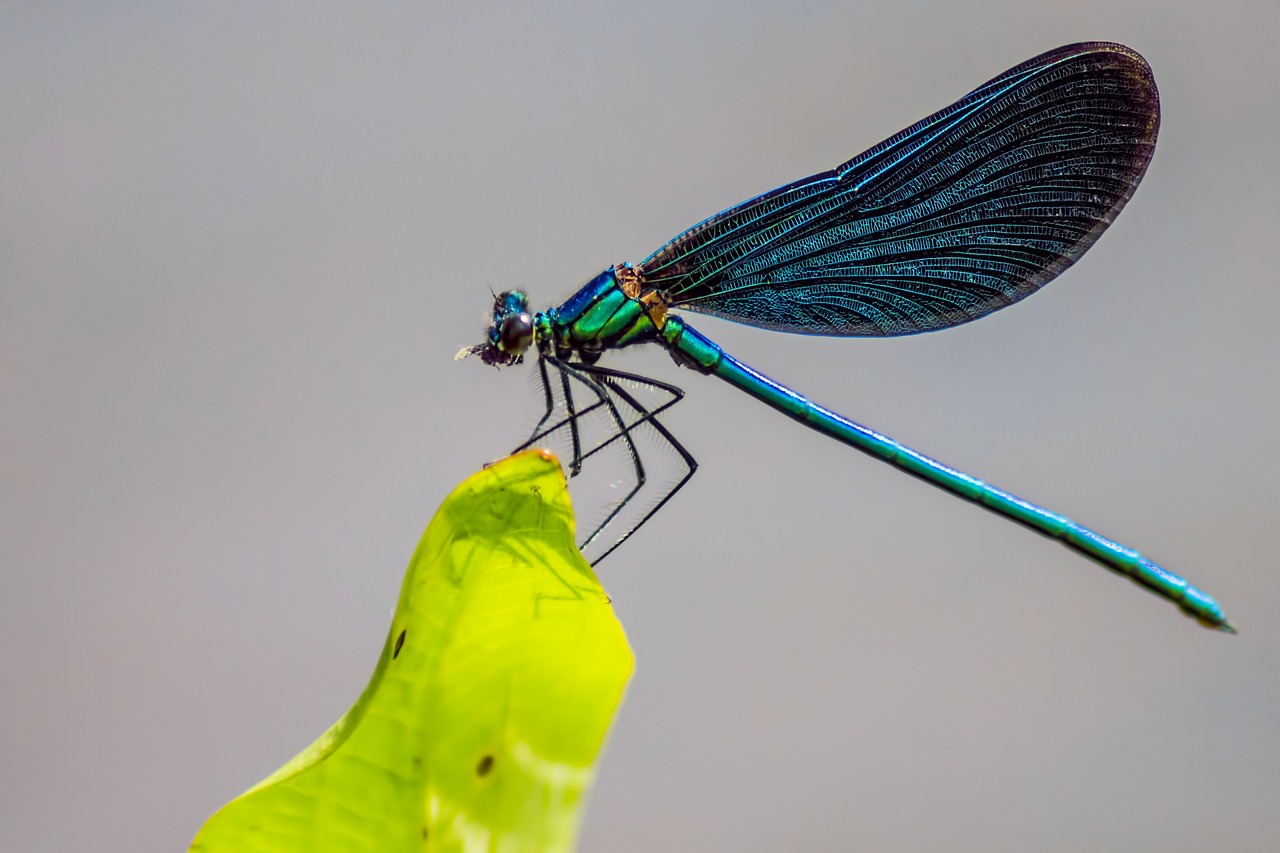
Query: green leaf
[480,727]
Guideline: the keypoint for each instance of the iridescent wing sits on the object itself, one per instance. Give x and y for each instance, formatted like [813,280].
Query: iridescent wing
[957,216]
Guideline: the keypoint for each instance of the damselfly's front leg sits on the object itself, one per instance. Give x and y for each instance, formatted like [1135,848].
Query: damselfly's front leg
[539,432]
[605,382]
[583,374]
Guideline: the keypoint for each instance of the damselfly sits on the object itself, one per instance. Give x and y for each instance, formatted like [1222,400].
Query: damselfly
[959,215]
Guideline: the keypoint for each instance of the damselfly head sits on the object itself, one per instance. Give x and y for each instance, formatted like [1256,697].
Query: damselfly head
[510,331]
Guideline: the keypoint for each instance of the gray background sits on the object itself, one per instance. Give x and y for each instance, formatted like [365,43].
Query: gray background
[239,246]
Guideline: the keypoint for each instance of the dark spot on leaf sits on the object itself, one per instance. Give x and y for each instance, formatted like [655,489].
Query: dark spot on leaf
[485,765]
[424,833]
[395,653]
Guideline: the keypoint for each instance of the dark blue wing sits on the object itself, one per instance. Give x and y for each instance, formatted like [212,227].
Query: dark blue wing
[963,213]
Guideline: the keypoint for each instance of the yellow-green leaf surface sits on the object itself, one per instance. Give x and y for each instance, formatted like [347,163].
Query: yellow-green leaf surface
[480,727]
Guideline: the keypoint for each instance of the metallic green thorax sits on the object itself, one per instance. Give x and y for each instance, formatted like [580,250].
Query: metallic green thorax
[598,317]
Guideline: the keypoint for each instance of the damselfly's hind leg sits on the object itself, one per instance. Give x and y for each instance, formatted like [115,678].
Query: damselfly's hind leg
[605,383]
[613,381]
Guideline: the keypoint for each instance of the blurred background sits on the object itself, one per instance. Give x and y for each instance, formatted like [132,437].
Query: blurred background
[240,244]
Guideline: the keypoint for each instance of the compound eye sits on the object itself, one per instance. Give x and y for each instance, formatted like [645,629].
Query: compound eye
[516,333]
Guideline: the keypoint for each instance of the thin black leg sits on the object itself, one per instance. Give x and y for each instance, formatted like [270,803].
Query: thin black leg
[612,380]
[539,432]
[546,393]
[603,382]
[584,375]
[575,465]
